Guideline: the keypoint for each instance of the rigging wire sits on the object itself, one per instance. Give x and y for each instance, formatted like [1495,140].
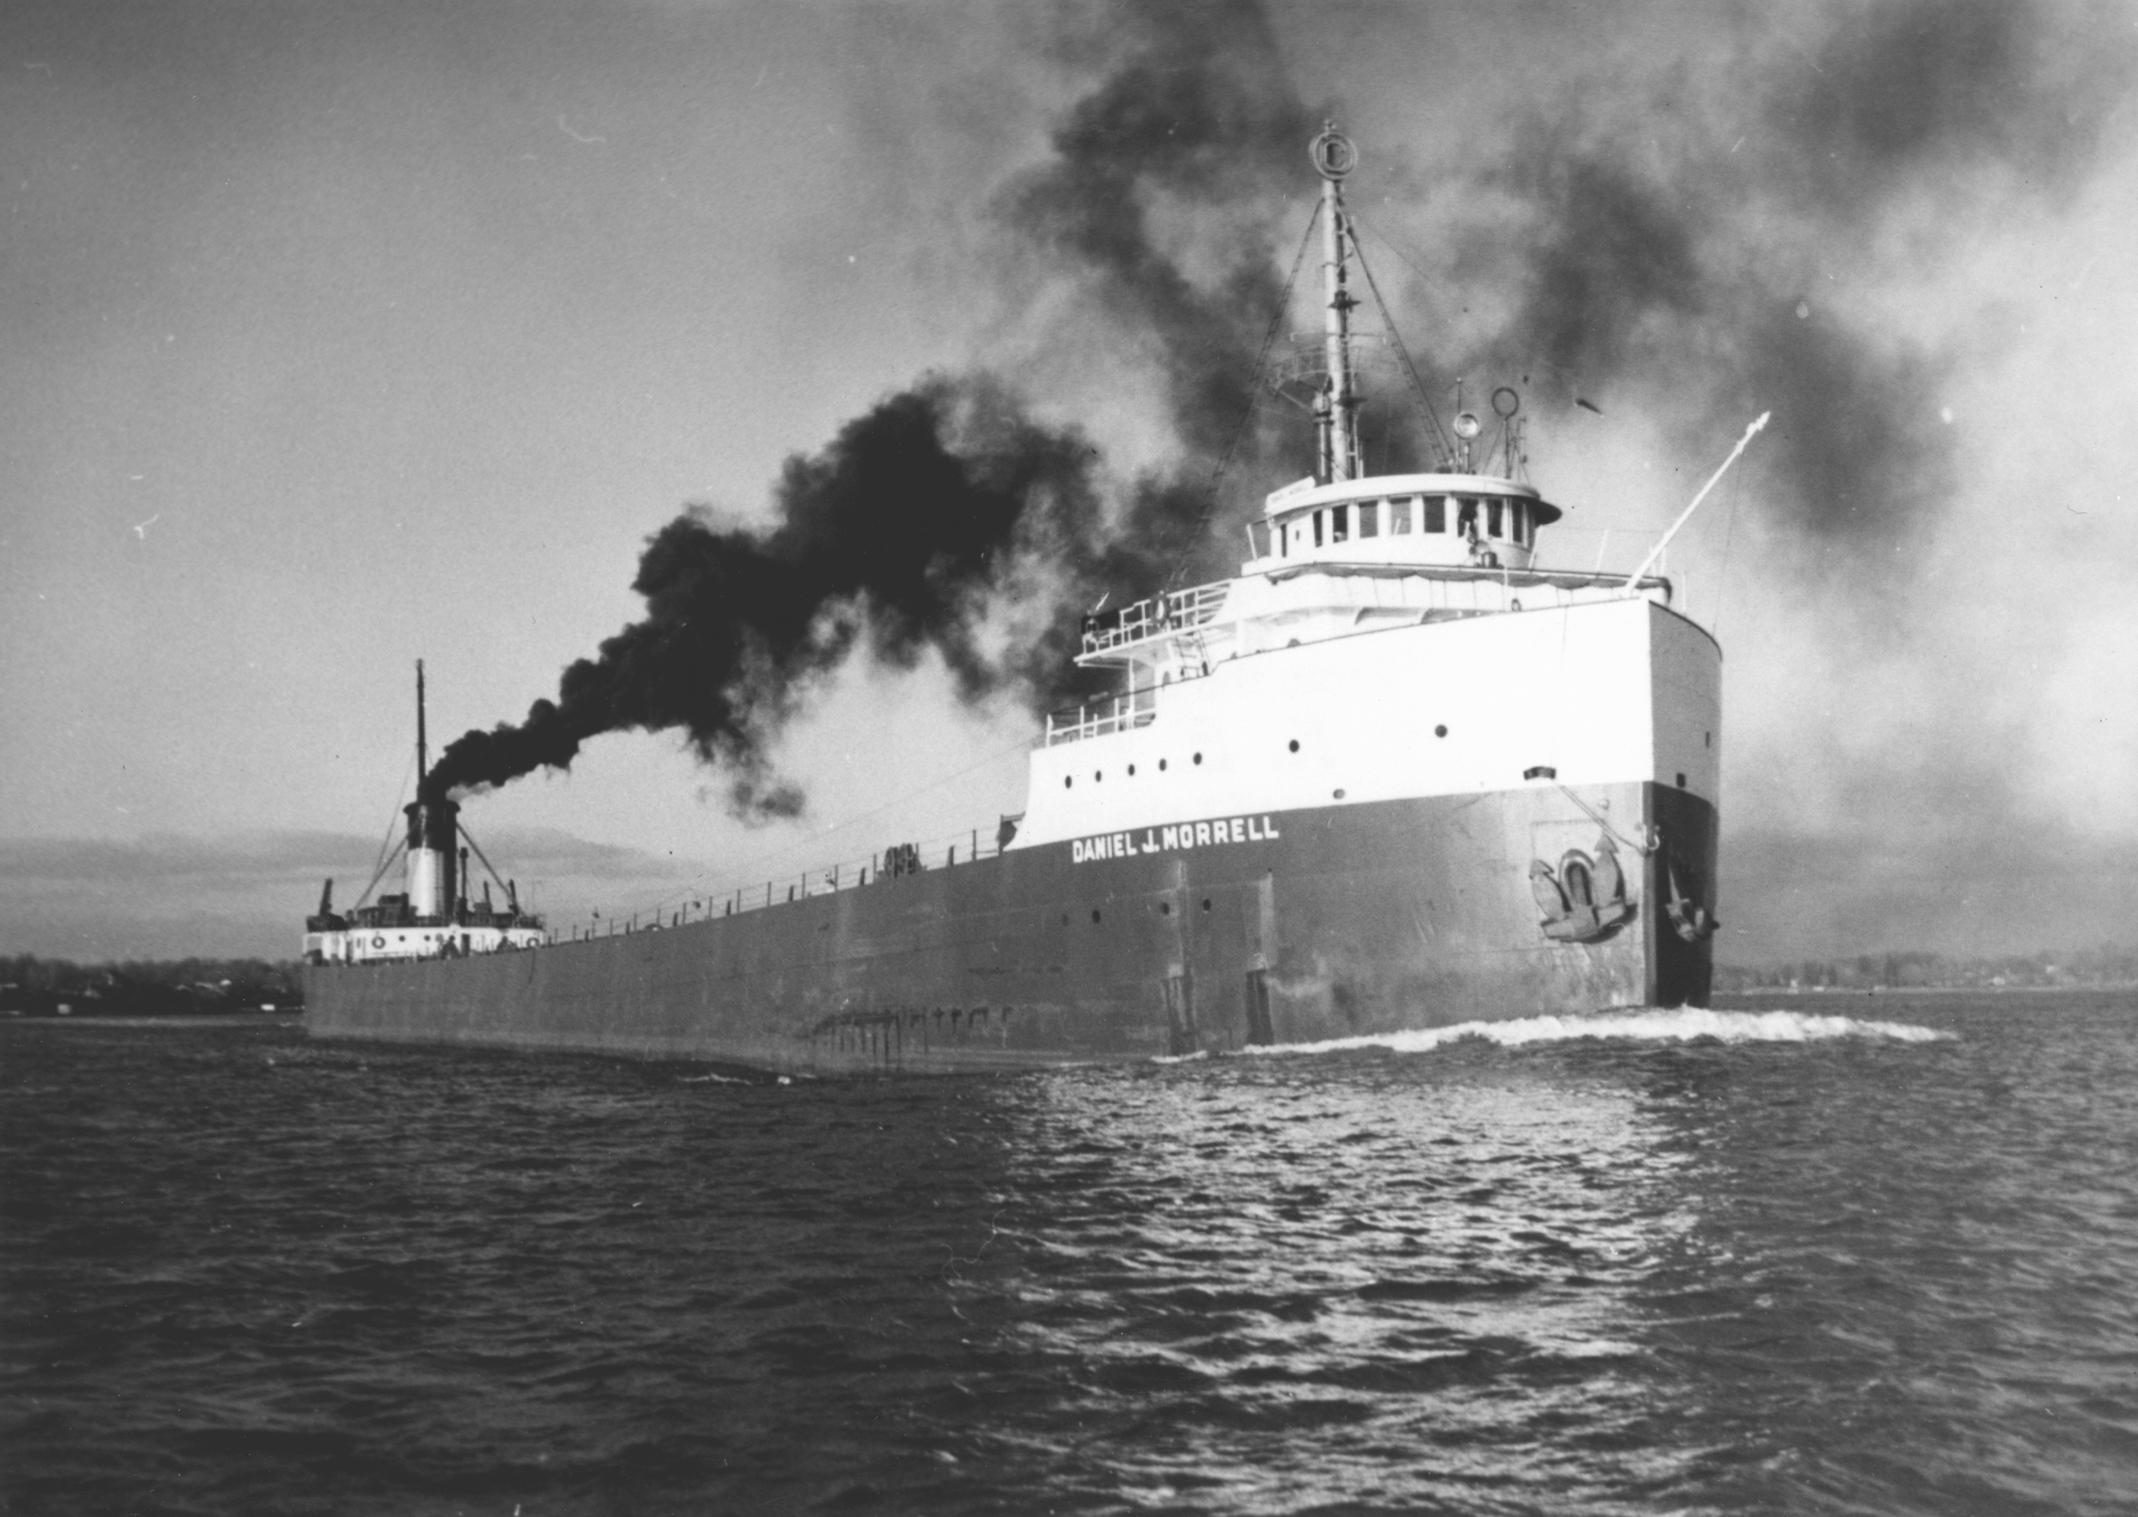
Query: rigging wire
[387,842]
[384,865]
[469,838]
[389,848]
[1247,416]
[1441,439]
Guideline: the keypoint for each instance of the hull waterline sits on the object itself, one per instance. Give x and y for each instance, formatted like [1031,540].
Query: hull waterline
[1341,922]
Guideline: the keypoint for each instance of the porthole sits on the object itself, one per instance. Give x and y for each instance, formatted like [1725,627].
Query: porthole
[1681,780]
[1440,732]
[1165,908]
[1338,794]
[1131,771]
[1068,780]
[1097,775]
[1161,766]
[1094,913]
[1198,758]
[1295,745]
[1206,903]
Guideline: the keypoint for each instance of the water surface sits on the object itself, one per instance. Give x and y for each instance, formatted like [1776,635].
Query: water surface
[1818,1254]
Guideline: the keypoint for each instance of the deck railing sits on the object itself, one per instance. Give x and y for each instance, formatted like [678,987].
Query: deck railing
[1117,713]
[1571,580]
[1159,616]
[884,867]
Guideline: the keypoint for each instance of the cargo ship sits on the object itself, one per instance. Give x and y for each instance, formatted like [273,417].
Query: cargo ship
[1394,774]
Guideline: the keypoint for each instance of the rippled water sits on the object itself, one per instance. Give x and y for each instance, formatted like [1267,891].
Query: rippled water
[1867,1255]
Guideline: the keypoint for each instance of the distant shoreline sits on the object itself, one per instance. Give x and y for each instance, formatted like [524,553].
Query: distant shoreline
[1756,992]
[220,1018]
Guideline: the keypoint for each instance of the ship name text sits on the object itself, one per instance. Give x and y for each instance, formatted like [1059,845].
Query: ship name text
[1123,845]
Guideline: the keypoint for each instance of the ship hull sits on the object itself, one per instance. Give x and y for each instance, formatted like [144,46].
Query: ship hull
[1298,926]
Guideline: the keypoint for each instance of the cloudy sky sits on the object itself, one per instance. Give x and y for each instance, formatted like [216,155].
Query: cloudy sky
[336,337]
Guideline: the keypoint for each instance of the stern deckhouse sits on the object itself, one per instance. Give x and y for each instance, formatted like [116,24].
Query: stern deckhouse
[432,916]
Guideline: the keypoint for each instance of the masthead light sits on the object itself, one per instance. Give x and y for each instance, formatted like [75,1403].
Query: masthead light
[1334,156]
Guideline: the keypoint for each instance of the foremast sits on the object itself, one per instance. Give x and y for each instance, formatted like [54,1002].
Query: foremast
[1336,407]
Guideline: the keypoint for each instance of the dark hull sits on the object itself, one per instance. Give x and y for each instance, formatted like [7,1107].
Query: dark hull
[1349,921]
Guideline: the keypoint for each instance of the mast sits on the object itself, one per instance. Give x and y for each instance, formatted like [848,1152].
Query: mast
[423,763]
[433,828]
[1336,420]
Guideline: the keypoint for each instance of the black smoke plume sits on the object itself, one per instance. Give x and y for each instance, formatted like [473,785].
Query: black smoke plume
[895,536]
[1670,247]
[1699,251]
[1200,113]
[925,515]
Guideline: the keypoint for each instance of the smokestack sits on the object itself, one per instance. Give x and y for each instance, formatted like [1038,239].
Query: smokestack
[433,830]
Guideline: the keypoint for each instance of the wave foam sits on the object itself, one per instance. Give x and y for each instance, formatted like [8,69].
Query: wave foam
[1654,1025]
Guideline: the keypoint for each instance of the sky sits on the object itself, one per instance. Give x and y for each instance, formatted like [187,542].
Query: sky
[332,338]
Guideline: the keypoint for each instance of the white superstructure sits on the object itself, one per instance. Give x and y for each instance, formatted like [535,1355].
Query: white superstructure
[1390,636]
[359,945]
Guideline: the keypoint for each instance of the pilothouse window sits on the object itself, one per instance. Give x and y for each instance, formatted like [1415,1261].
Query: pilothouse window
[1317,529]
[1436,514]
[1493,509]
[1369,518]
[1399,517]
[1339,524]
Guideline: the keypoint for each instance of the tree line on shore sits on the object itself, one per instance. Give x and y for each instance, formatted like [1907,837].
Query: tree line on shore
[31,986]
[2075,969]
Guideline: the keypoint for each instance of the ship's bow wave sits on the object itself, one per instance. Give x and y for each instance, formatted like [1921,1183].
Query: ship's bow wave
[1682,1024]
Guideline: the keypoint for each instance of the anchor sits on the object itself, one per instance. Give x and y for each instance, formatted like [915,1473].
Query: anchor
[1689,919]
[1586,900]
